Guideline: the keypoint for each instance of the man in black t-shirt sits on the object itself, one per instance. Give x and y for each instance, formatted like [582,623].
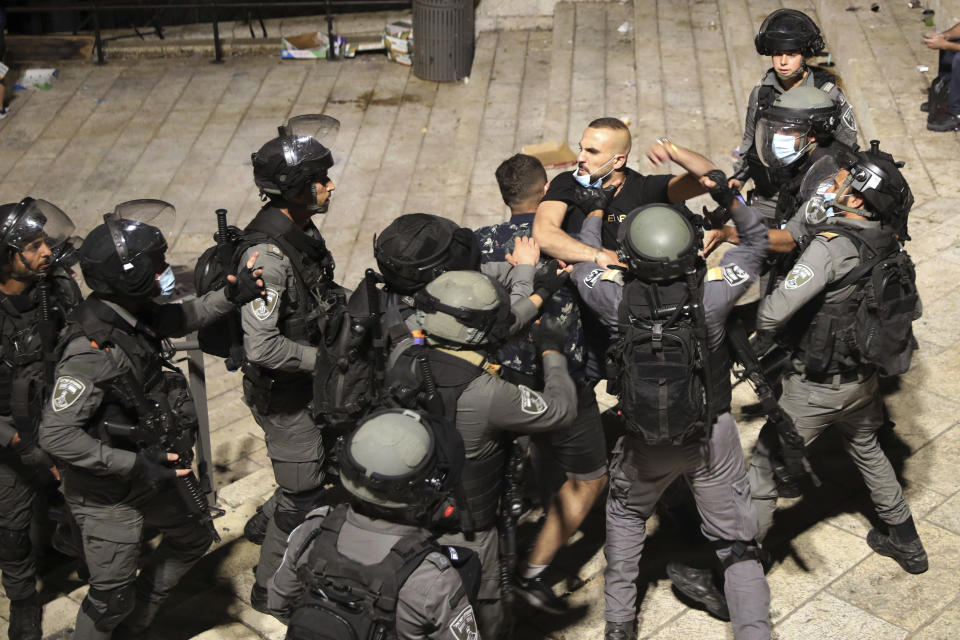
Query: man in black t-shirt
[602,161]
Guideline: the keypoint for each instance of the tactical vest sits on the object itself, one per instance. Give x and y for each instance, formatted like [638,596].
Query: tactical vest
[27,350]
[344,599]
[824,333]
[482,478]
[767,181]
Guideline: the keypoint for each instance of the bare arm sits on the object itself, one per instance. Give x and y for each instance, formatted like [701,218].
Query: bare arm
[686,185]
[556,242]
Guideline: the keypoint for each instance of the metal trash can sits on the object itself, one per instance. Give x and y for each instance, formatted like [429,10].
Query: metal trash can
[443,39]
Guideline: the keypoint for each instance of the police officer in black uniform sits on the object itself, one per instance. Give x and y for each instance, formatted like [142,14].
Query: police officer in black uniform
[789,37]
[118,408]
[37,291]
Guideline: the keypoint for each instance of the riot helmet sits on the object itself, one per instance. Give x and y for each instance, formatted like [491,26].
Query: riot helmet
[401,460]
[464,309]
[658,243]
[871,174]
[789,30]
[298,157]
[123,256]
[27,226]
[786,130]
[417,247]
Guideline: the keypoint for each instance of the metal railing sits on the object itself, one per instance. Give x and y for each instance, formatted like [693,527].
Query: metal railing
[214,6]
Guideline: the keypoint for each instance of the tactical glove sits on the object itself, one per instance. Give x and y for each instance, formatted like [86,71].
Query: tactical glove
[721,192]
[589,199]
[151,467]
[245,289]
[547,281]
[33,456]
[548,335]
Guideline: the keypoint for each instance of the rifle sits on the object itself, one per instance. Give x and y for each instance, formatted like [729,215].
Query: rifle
[158,430]
[226,241]
[511,506]
[788,456]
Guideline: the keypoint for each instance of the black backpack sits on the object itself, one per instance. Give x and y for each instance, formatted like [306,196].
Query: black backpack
[887,302]
[660,367]
[346,600]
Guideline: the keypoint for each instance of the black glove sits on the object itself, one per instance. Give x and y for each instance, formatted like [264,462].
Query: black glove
[547,281]
[763,342]
[32,456]
[589,199]
[245,289]
[721,193]
[548,335]
[151,467]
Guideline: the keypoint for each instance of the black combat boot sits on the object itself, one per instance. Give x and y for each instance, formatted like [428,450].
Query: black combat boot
[700,586]
[25,616]
[620,631]
[902,544]
[256,528]
[258,599]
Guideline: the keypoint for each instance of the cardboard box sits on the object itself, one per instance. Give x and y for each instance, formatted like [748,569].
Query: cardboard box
[398,41]
[312,46]
[38,78]
[551,154]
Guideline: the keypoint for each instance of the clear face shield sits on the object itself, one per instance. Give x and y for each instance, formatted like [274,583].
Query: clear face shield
[779,143]
[300,135]
[38,226]
[140,226]
[819,190]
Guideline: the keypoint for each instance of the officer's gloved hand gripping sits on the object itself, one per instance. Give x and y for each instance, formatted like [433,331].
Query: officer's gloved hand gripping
[247,285]
[151,467]
[549,335]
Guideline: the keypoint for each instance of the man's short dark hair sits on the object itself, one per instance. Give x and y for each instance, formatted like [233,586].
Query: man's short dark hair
[609,123]
[521,178]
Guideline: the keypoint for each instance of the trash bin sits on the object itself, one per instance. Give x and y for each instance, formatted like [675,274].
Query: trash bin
[443,39]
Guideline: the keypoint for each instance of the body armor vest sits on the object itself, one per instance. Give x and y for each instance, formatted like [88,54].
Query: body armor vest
[482,479]
[824,333]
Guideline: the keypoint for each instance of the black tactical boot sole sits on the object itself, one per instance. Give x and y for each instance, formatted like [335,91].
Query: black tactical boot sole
[255,530]
[698,586]
[911,556]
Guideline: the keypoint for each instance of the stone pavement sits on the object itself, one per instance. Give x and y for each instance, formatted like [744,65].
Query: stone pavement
[182,129]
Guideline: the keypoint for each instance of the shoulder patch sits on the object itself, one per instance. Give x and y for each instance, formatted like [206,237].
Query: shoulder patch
[829,235]
[66,391]
[439,560]
[263,308]
[464,626]
[733,275]
[274,250]
[800,275]
[531,402]
[849,119]
[592,278]
[714,273]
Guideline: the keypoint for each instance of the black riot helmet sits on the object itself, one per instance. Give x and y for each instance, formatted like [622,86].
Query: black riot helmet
[464,309]
[401,462]
[658,243]
[789,30]
[417,247]
[787,130]
[24,222]
[121,257]
[297,158]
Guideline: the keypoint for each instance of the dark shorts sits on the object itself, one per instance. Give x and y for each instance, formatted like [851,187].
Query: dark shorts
[580,450]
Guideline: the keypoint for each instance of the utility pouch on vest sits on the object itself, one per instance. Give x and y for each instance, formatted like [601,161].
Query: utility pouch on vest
[819,353]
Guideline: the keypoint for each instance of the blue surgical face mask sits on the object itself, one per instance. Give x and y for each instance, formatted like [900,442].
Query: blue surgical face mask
[584,180]
[785,148]
[816,209]
[168,282]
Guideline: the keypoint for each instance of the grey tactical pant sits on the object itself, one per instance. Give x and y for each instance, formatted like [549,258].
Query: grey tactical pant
[111,547]
[17,560]
[639,474]
[489,605]
[295,448]
[857,411]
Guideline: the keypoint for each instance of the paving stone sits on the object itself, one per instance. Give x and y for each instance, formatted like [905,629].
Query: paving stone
[231,631]
[947,515]
[829,617]
[933,465]
[255,486]
[943,627]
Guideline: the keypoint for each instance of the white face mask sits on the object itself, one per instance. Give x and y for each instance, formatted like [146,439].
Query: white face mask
[785,148]
[584,180]
[168,282]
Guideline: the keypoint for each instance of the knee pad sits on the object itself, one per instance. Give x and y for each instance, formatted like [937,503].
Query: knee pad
[117,603]
[740,551]
[14,544]
[304,502]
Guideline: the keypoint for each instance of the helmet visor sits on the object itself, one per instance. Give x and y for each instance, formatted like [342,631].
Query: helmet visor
[780,144]
[139,226]
[40,219]
[309,138]
[819,178]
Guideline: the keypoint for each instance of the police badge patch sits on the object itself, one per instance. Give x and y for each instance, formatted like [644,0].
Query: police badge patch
[734,275]
[262,308]
[531,402]
[849,119]
[464,626]
[67,391]
[800,275]
[593,277]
